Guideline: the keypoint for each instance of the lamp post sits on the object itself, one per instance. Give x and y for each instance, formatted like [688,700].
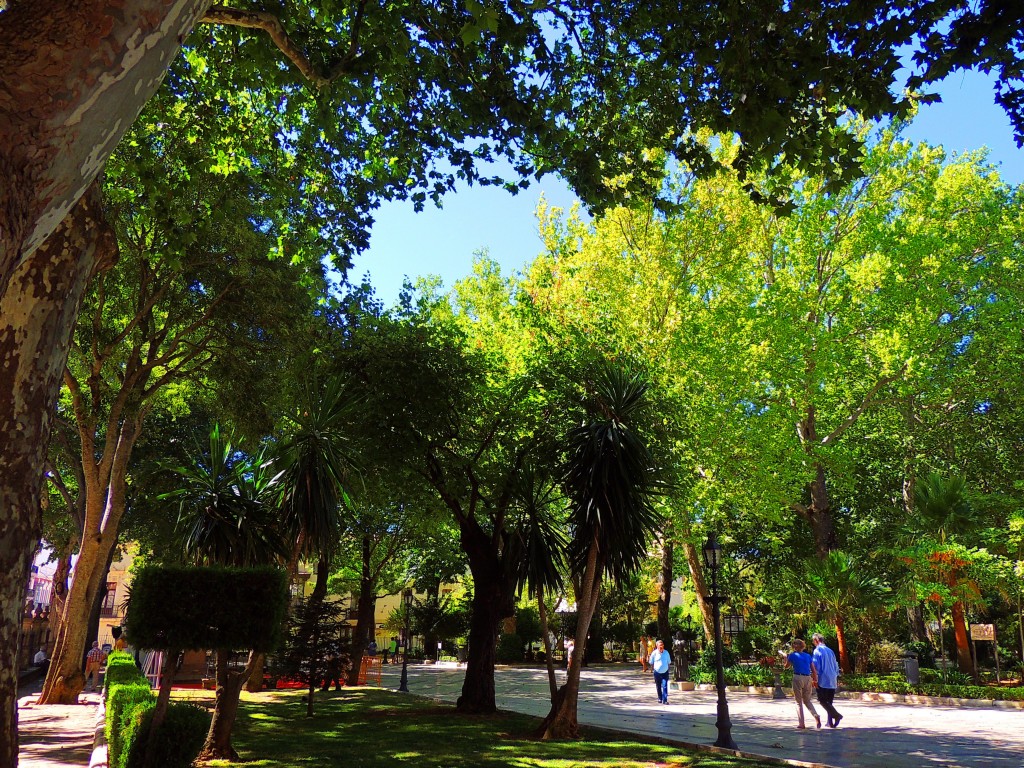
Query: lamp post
[713,561]
[403,684]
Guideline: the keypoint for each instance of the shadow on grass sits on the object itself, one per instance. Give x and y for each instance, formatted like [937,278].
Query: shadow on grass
[370,727]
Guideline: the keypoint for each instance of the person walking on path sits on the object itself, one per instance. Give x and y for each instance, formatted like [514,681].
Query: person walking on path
[802,665]
[93,661]
[659,663]
[645,650]
[826,670]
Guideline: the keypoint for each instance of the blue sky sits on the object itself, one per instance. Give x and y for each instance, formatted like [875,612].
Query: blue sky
[443,241]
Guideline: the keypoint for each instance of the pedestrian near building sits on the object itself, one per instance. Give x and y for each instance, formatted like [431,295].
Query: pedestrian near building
[826,670]
[93,661]
[659,660]
[803,682]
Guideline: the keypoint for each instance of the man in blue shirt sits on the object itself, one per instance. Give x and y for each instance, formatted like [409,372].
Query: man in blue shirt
[659,663]
[826,670]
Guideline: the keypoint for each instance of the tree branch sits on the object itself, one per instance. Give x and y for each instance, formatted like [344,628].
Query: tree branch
[271,24]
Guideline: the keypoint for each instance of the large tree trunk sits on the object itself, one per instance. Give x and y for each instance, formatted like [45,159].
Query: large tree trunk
[489,608]
[365,608]
[700,586]
[665,592]
[562,721]
[916,623]
[229,689]
[105,504]
[963,648]
[38,307]
[61,580]
[844,654]
[820,514]
[73,78]
[493,601]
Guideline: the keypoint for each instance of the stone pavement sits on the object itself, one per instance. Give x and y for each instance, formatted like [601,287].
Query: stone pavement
[56,736]
[872,734]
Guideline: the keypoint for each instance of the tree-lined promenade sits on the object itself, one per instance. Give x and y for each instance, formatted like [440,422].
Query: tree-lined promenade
[168,206]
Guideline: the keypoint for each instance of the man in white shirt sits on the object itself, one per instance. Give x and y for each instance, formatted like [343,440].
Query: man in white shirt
[826,670]
[659,660]
[41,661]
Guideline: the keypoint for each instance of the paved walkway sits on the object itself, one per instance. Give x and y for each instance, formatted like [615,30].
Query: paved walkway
[872,734]
[55,736]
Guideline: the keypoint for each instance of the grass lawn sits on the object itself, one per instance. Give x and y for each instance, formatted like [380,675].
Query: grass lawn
[371,727]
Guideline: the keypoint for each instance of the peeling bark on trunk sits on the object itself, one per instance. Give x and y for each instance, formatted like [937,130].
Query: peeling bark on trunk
[38,307]
[701,587]
[106,488]
[73,78]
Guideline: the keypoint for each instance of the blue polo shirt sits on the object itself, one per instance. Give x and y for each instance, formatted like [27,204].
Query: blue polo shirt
[801,662]
[659,661]
[827,667]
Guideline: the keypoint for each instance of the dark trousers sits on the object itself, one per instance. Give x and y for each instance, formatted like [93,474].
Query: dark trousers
[661,683]
[825,696]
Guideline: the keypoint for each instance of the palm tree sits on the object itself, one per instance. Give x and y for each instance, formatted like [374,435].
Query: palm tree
[313,480]
[840,584]
[609,479]
[543,545]
[224,514]
[944,512]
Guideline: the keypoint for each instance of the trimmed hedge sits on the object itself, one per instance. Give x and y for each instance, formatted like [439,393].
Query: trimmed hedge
[123,701]
[207,608]
[178,742]
[121,668]
[897,684]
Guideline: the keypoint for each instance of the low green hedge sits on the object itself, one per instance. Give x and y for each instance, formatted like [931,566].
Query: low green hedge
[121,668]
[898,684]
[123,700]
[178,742]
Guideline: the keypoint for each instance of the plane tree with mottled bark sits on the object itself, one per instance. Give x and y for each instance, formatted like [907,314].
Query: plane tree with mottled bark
[192,289]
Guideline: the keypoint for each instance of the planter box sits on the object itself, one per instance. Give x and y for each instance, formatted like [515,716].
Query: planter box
[685,685]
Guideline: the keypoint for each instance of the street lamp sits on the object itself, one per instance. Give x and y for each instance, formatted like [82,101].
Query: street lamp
[713,562]
[403,684]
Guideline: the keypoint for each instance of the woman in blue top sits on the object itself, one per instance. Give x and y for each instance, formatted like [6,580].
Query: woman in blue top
[803,682]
